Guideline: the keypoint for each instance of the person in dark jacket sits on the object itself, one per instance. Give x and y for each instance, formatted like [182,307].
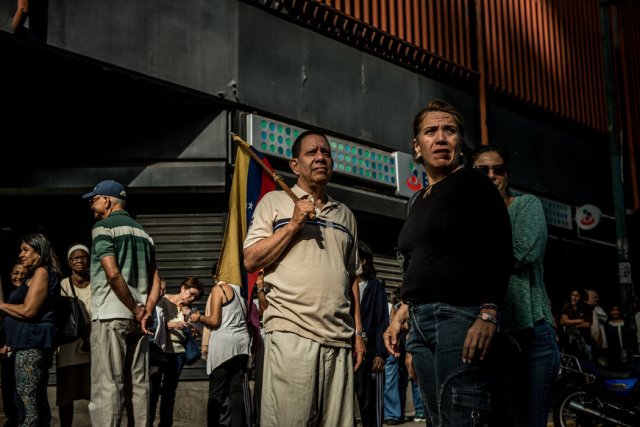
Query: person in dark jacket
[369,379]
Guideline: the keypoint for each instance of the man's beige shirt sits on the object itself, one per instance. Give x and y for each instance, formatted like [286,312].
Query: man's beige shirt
[309,284]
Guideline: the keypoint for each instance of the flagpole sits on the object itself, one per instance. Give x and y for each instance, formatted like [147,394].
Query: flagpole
[276,178]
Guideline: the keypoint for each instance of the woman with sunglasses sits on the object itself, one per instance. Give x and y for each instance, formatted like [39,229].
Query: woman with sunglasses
[526,312]
[456,244]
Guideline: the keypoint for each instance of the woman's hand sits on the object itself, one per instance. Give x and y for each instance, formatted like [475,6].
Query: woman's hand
[392,338]
[204,351]
[392,334]
[478,339]
[195,317]
[176,325]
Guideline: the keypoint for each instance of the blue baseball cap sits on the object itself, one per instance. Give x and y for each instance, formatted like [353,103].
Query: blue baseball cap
[107,188]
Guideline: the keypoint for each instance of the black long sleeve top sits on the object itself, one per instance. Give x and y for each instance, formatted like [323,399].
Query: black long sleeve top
[457,244]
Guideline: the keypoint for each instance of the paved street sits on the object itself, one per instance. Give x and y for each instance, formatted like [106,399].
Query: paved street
[190,409]
[411,423]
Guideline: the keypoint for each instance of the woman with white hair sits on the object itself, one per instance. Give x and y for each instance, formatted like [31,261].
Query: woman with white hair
[73,364]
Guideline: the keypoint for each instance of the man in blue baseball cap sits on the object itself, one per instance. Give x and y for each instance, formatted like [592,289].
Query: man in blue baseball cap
[108,187]
[125,287]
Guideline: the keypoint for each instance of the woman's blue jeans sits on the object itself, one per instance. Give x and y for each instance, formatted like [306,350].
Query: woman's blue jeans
[528,370]
[391,405]
[456,393]
[418,406]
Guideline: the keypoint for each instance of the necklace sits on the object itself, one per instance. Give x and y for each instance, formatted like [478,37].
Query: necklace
[427,192]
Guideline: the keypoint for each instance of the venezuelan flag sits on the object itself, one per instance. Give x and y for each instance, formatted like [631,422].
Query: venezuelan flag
[250,182]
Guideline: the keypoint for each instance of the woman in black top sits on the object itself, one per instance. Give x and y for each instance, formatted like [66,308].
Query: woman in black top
[30,328]
[456,244]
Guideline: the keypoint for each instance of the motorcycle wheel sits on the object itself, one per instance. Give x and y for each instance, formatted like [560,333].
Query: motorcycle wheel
[565,415]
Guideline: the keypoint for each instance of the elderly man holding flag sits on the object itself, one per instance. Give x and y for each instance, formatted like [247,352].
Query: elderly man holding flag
[308,250]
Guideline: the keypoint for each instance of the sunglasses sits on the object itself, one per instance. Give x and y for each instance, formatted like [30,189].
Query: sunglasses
[498,170]
[93,200]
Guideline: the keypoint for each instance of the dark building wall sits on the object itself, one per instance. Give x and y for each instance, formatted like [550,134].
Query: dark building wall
[287,70]
[239,52]
[553,162]
[191,43]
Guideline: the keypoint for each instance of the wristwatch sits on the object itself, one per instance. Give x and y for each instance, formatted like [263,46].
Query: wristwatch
[487,318]
[362,334]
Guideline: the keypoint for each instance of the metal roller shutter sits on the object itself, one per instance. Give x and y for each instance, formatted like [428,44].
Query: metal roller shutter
[186,245]
[388,270]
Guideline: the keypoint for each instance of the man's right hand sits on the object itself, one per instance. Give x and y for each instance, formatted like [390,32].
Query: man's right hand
[144,322]
[266,251]
[301,211]
[139,312]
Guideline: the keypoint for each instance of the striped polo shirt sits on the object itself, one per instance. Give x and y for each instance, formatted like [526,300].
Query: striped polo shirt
[309,284]
[120,236]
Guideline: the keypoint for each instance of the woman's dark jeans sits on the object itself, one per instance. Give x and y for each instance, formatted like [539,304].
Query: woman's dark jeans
[163,385]
[529,362]
[456,393]
[227,381]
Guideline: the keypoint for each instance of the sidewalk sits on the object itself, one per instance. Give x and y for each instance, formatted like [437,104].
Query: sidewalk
[190,409]
[411,423]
